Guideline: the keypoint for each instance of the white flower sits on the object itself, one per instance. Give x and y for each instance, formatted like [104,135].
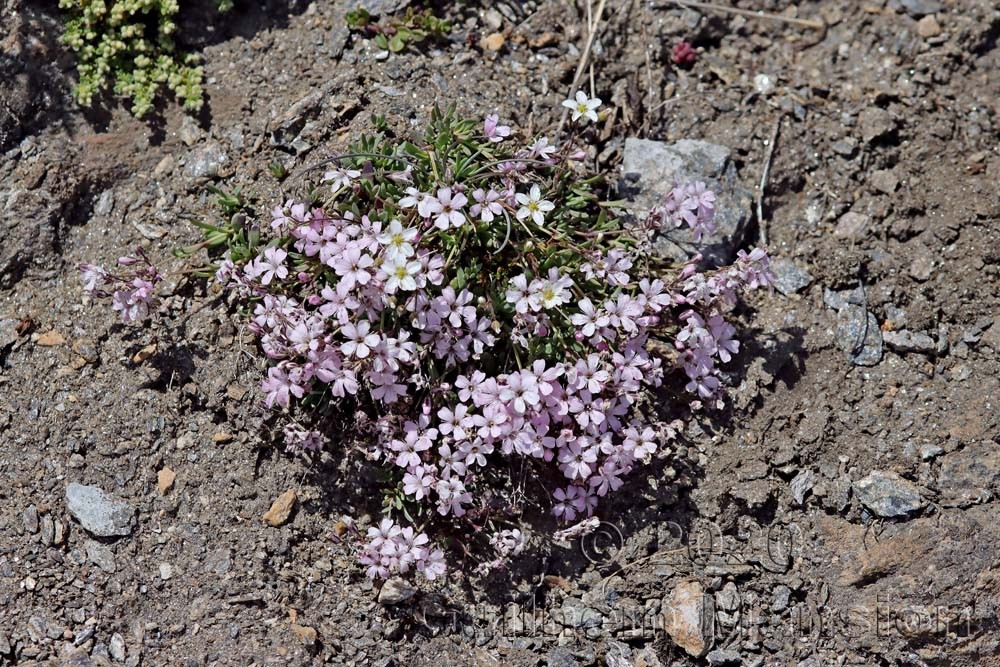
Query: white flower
[397,240]
[341,177]
[533,205]
[583,106]
[401,275]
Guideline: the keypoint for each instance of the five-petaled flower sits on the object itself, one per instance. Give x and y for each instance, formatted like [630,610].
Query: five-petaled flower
[533,206]
[583,106]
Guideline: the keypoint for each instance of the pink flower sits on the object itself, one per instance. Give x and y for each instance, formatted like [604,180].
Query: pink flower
[493,131]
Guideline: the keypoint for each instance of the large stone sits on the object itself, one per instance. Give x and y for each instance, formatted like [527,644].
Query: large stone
[888,495]
[99,513]
[908,341]
[651,169]
[688,618]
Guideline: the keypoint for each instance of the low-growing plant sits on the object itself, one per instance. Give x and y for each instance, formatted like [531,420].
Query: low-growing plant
[396,33]
[128,45]
[464,311]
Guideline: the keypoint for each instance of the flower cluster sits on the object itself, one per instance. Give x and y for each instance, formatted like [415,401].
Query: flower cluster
[131,291]
[470,300]
[394,548]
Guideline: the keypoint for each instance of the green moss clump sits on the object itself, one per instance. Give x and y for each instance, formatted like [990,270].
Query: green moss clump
[129,46]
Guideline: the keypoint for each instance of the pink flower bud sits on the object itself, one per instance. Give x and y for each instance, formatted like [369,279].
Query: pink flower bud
[126,260]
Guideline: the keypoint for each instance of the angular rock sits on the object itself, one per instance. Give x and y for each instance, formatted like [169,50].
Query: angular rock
[30,519]
[99,513]
[970,476]
[575,614]
[102,556]
[105,203]
[560,657]
[688,618]
[888,495]
[921,7]
[852,226]
[801,485]
[116,647]
[647,658]
[381,7]
[859,336]
[395,590]
[652,168]
[907,341]
[165,480]
[206,162]
[788,277]
[928,27]
[885,181]
[875,123]
[281,509]
[720,657]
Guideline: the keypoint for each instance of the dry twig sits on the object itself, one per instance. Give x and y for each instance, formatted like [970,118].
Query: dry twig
[763,180]
[806,23]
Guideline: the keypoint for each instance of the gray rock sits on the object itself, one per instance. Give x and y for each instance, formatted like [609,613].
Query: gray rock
[166,571]
[102,556]
[8,334]
[888,495]
[285,128]
[839,300]
[920,8]
[338,39]
[206,161]
[189,132]
[907,341]
[970,476]
[852,226]
[105,203]
[618,655]
[930,452]
[30,519]
[116,647]
[37,629]
[652,168]
[723,657]
[885,181]
[875,123]
[47,528]
[560,657]
[845,146]
[801,485]
[381,7]
[859,336]
[395,590]
[788,277]
[30,231]
[781,596]
[4,644]
[99,513]
[83,635]
[575,614]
